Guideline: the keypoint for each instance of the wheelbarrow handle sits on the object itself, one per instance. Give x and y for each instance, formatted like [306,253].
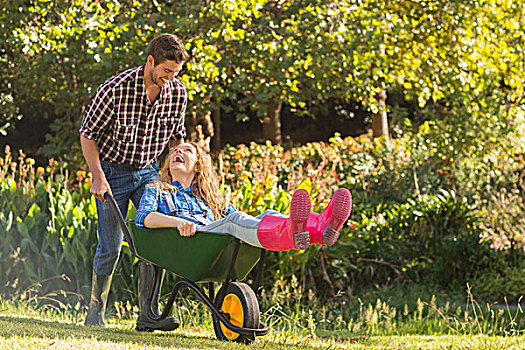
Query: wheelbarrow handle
[122,223]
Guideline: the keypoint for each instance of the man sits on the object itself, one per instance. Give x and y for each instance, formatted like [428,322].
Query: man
[131,119]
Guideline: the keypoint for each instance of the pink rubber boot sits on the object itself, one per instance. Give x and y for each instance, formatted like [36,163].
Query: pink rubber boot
[324,228]
[278,233]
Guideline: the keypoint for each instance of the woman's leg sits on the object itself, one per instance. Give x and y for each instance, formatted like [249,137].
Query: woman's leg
[238,224]
[270,230]
[278,233]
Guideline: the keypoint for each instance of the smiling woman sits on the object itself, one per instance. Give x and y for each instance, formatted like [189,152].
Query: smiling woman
[188,197]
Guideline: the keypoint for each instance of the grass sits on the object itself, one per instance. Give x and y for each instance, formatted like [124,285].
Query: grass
[26,328]
[21,332]
[408,316]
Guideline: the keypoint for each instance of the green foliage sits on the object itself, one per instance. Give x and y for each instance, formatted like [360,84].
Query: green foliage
[419,214]
[500,285]
[55,55]
[441,204]
[420,209]
[408,309]
[412,235]
[48,232]
[448,57]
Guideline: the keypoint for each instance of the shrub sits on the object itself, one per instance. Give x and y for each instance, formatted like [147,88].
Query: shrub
[499,286]
[419,214]
[48,231]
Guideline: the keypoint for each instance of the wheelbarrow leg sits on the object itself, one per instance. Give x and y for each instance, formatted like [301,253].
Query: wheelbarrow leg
[260,265]
[211,291]
[159,278]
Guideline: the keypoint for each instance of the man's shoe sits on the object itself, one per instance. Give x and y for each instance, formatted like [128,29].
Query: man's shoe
[148,325]
[150,285]
[100,286]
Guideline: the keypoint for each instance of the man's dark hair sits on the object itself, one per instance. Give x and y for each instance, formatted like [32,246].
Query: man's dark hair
[167,47]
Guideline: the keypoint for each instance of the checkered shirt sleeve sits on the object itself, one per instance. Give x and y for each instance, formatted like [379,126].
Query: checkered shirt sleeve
[98,113]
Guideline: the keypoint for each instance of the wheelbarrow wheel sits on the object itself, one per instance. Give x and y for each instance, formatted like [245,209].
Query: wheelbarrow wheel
[240,305]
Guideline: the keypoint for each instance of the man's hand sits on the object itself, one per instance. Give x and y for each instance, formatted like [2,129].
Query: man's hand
[99,187]
[186,228]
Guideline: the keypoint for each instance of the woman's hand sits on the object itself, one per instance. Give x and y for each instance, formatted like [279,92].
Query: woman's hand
[156,220]
[186,228]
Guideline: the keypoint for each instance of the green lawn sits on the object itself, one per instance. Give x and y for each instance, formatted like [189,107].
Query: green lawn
[22,331]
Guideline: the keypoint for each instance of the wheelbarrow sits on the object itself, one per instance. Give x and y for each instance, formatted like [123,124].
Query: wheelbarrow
[205,258]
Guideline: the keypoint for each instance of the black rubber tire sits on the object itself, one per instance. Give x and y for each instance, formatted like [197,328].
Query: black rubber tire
[250,307]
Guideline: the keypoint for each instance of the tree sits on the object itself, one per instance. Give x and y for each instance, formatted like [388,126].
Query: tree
[266,53]
[464,59]
[58,53]
[464,56]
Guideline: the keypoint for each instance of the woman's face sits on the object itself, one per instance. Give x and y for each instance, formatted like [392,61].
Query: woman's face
[183,162]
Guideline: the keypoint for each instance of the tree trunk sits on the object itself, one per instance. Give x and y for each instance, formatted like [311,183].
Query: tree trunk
[379,119]
[272,122]
[216,116]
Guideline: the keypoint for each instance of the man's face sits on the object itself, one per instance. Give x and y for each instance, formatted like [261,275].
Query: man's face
[163,72]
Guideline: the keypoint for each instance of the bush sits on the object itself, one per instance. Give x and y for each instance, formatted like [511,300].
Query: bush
[418,215]
[47,230]
[500,286]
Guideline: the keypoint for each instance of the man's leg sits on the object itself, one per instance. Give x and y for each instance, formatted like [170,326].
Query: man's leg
[149,291]
[100,286]
[109,242]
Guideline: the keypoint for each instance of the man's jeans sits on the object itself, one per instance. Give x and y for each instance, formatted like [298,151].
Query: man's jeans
[240,225]
[126,183]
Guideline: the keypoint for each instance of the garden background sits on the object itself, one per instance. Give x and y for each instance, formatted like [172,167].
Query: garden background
[417,107]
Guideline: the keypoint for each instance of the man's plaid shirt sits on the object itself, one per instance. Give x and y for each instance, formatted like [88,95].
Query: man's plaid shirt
[127,128]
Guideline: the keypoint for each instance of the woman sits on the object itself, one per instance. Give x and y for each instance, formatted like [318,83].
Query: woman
[188,197]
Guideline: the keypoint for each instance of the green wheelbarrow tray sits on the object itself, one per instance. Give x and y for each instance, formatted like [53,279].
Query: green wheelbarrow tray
[202,257]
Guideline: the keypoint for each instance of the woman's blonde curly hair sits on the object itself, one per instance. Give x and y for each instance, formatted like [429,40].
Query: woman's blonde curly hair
[205,183]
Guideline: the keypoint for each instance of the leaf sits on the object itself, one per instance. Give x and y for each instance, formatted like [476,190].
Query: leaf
[52,240]
[34,211]
[69,254]
[9,222]
[50,263]
[30,270]
[21,227]
[28,243]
